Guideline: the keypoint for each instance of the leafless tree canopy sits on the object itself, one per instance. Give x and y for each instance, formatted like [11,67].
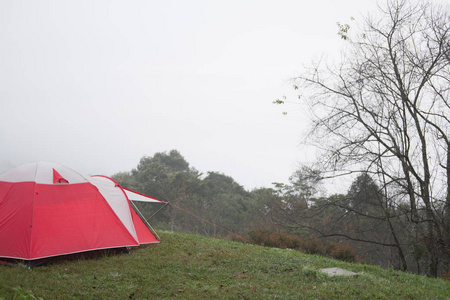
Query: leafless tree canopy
[385,110]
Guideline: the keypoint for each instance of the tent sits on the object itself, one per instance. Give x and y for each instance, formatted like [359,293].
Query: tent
[48,209]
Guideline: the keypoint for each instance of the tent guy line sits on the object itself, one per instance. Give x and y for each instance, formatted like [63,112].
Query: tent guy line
[211,223]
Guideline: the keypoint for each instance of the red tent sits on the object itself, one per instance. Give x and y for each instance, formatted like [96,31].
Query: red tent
[48,209]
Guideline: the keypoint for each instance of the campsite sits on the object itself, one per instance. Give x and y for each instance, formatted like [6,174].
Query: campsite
[188,266]
[60,231]
[225,149]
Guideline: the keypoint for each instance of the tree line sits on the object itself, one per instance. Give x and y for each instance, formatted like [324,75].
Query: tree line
[353,219]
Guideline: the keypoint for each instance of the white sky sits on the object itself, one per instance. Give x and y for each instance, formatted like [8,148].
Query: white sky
[96,85]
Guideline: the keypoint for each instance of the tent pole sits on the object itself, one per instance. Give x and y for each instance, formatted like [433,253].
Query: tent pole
[145,220]
[158,210]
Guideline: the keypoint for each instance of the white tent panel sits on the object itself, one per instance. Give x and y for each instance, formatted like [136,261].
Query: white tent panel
[138,197]
[42,173]
[116,199]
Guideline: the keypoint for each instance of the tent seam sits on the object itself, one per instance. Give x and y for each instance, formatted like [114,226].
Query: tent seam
[32,220]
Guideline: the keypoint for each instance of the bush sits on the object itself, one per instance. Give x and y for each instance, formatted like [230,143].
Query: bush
[330,246]
[446,275]
[280,239]
[266,237]
[313,246]
[345,253]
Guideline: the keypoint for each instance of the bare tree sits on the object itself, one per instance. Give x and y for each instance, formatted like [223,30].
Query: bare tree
[385,110]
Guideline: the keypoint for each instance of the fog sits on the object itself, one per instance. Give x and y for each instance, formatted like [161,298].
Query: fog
[96,85]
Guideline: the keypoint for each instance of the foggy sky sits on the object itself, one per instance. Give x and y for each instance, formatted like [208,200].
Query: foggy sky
[96,85]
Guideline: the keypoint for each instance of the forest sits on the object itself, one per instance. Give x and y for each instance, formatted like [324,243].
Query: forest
[379,115]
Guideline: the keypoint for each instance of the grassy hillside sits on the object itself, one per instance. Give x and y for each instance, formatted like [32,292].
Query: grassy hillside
[190,266]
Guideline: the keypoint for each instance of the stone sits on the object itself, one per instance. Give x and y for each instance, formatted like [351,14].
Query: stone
[338,272]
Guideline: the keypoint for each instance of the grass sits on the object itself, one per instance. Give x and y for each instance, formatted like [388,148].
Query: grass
[195,267]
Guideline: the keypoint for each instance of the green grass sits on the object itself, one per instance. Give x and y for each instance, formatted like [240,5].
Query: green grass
[193,267]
